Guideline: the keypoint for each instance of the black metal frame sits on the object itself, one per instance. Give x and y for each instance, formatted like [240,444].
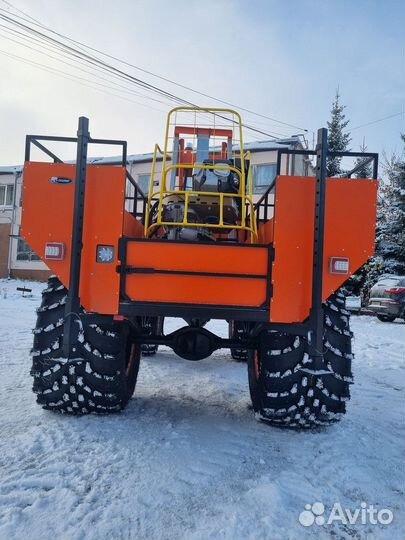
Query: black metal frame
[33,139]
[73,297]
[218,342]
[138,197]
[316,319]
[264,201]
[369,157]
[188,311]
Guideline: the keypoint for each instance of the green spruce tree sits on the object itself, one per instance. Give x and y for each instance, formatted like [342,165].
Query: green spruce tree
[338,139]
[391,237]
[365,170]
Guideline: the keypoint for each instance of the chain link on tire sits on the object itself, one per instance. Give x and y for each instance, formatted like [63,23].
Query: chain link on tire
[101,379]
[286,390]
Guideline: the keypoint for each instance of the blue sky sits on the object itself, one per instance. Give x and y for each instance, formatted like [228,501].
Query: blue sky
[282,59]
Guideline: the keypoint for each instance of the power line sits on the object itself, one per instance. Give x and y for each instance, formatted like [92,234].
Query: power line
[122,74]
[125,88]
[81,62]
[112,70]
[379,120]
[82,81]
[76,79]
[36,21]
[160,77]
[92,60]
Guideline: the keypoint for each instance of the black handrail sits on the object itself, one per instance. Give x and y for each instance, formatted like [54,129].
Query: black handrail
[138,196]
[263,202]
[33,139]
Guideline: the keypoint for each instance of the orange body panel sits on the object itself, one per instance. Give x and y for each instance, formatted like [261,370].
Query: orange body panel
[203,290]
[265,232]
[132,227]
[198,257]
[349,232]
[48,217]
[194,258]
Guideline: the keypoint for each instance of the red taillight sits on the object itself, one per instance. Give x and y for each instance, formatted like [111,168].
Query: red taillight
[395,290]
[55,251]
[339,265]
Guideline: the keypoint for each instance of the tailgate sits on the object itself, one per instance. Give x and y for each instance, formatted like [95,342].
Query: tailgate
[214,274]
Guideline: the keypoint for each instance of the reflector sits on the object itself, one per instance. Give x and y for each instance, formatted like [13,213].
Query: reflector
[55,251]
[105,254]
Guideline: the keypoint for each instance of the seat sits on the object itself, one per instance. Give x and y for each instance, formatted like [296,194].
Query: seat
[215,179]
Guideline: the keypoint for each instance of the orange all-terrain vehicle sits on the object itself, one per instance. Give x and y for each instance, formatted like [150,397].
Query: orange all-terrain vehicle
[198,246]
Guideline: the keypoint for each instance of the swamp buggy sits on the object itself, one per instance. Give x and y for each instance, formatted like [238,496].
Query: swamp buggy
[198,246]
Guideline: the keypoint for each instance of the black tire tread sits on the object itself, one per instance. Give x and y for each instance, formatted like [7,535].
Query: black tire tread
[287,393]
[95,381]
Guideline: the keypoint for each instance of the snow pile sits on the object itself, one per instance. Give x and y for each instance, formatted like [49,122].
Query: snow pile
[187,460]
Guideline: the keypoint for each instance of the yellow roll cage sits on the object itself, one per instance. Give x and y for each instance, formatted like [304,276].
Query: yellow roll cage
[248,218]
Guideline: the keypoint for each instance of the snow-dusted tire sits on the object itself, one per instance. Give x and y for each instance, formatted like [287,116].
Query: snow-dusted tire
[237,331]
[102,377]
[284,388]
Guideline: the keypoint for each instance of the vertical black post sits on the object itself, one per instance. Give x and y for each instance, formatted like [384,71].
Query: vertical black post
[73,299]
[278,168]
[317,321]
[375,167]
[124,154]
[27,148]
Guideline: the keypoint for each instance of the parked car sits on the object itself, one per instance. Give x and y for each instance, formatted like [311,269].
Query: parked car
[353,304]
[387,298]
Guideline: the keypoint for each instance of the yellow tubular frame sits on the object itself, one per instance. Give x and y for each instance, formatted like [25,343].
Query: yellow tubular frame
[163,192]
[151,182]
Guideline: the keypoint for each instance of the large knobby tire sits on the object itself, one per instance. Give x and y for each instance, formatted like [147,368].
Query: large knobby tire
[284,387]
[102,376]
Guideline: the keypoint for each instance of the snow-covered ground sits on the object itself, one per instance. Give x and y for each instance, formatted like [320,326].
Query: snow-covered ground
[187,460]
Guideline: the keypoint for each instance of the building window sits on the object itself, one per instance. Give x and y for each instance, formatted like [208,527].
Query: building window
[6,195]
[263,175]
[24,252]
[143,183]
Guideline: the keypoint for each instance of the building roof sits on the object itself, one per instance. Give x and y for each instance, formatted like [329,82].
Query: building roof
[11,169]
[274,144]
[253,146]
